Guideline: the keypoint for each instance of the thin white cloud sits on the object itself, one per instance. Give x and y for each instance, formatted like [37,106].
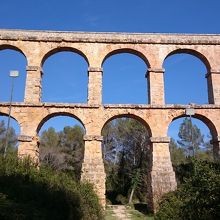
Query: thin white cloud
[91,20]
[175,61]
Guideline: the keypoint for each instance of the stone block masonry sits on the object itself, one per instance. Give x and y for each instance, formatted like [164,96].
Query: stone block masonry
[37,46]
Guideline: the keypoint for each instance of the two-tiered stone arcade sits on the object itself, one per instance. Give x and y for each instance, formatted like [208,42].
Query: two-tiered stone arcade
[37,46]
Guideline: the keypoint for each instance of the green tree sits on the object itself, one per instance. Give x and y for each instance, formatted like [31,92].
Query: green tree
[177,153]
[136,179]
[191,138]
[72,145]
[27,192]
[198,197]
[126,149]
[206,153]
[50,151]
[12,138]
[63,150]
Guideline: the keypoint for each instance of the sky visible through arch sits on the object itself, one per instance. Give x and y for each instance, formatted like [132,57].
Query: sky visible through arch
[146,16]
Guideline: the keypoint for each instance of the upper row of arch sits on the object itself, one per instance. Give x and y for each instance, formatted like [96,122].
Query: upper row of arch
[136,52]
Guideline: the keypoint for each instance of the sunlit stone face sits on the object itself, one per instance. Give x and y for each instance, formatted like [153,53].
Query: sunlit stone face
[96,48]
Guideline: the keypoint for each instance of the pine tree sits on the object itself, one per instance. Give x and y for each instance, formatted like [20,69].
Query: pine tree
[191,138]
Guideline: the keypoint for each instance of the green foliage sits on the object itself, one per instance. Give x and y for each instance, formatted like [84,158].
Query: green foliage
[198,197]
[63,150]
[121,199]
[177,153]
[12,139]
[190,144]
[29,193]
[183,171]
[136,178]
[190,136]
[126,150]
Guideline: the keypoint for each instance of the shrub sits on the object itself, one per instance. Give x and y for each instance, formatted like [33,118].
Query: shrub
[121,199]
[90,206]
[30,193]
[197,198]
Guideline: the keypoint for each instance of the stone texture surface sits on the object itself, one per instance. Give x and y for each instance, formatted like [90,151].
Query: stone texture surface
[31,114]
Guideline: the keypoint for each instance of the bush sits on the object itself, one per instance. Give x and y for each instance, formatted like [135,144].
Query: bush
[29,193]
[121,199]
[197,198]
[90,206]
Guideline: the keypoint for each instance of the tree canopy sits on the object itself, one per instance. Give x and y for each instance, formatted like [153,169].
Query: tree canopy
[63,150]
[126,151]
[12,138]
[190,143]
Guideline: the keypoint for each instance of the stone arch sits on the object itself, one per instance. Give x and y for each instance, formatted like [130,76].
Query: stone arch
[69,146]
[15,117]
[12,116]
[55,114]
[202,118]
[63,49]
[13,58]
[12,47]
[196,63]
[192,52]
[71,67]
[141,149]
[126,50]
[136,117]
[211,126]
[136,64]
[15,125]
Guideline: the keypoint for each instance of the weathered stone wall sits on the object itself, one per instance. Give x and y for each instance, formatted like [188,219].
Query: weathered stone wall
[37,46]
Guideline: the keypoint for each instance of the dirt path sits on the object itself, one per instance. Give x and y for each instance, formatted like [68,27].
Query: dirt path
[120,212]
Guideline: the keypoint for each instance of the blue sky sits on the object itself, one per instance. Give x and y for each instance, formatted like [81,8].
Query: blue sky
[190,16]
[147,16]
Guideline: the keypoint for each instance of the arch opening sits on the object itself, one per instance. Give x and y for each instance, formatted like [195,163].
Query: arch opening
[127,155]
[11,135]
[191,137]
[65,77]
[185,82]
[129,51]
[124,78]
[61,144]
[63,49]
[12,59]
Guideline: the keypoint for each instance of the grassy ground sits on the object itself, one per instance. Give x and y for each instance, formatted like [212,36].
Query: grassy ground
[109,215]
[136,215]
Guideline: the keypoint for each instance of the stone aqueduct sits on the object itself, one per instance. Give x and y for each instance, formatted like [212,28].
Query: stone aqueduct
[37,46]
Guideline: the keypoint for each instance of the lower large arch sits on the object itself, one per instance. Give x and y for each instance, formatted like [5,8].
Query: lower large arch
[201,130]
[9,132]
[61,144]
[49,116]
[125,115]
[205,120]
[127,155]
